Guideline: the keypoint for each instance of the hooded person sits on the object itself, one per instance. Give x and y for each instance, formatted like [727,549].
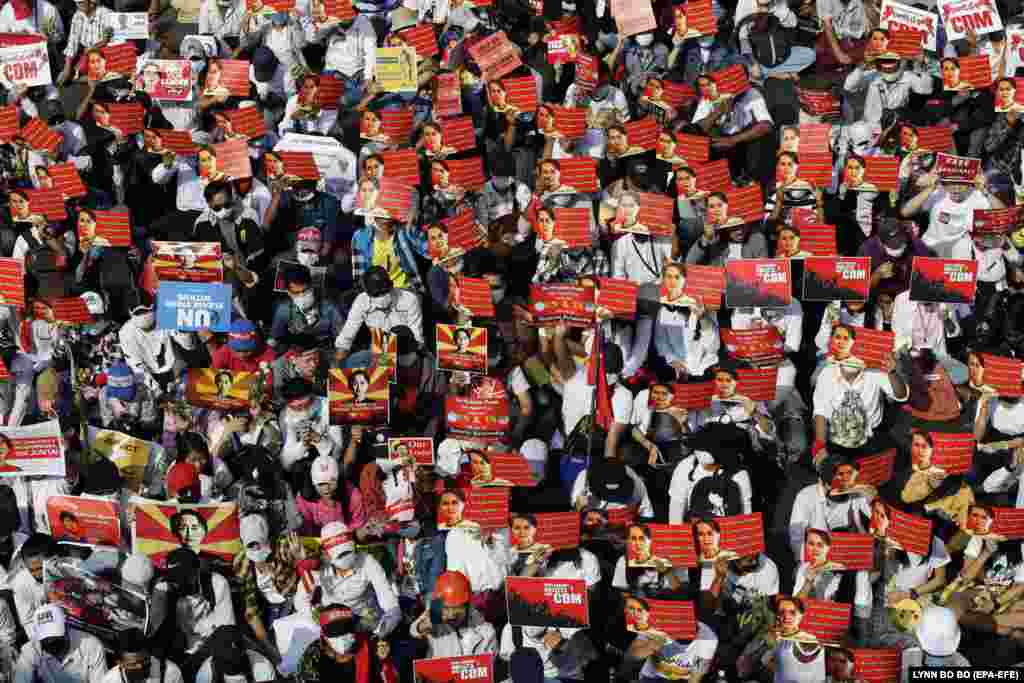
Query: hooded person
[137,576]
[341,653]
[55,653]
[201,599]
[938,635]
[451,626]
[235,658]
[351,578]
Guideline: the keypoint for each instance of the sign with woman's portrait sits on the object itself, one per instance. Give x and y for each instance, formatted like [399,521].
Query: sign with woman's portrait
[211,530]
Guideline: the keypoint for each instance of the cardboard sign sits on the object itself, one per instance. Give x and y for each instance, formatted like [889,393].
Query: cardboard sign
[220,389]
[852,552]
[12,283]
[954,169]
[79,519]
[580,173]
[166,79]
[359,395]
[64,178]
[480,419]
[882,172]
[693,148]
[755,345]
[391,199]
[705,284]
[8,123]
[714,176]
[815,138]
[448,97]
[552,603]
[819,240]
[402,165]
[908,532]
[25,65]
[700,18]
[877,469]
[938,280]
[563,48]
[474,294]
[35,450]
[732,80]
[422,38]
[92,602]
[960,16]
[632,18]
[458,133]
[820,103]
[816,168]
[233,159]
[396,69]
[757,384]
[475,668]
[301,165]
[649,545]
[188,261]
[557,530]
[827,621]
[194,306]
[1004,375]
[397,124]
[997,221]
[556,303]
[467,173]
[897,16]
[757,282]
[876,665]
[618,296]
[421,448]
[742,535]
[330,92]
[572,227]
[674,619]
[211,530]
[953,452]
[836,278]
[974,73]
[39,137]
[496,56]
[586,72]
[71,310]
[248,122]
[873,346]
[48,203]
[117,61]
[127,117]
[462,349]
[227,77]
[1008,523]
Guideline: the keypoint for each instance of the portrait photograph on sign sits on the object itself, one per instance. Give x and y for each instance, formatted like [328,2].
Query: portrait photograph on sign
[462,349]
[220,389]
[359,395]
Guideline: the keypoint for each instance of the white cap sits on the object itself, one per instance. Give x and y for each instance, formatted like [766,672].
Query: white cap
[49,622]
[325,469]
[137,569]
[94,302]
[938,631]
[335,539]
[254,528]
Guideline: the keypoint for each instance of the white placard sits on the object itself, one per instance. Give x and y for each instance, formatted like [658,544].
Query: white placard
[25,65]
[130,25]
[896,15]
[960,16]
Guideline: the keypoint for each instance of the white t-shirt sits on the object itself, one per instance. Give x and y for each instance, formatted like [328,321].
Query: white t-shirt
[949,221]
[919,570]
[578,401]
[697,654]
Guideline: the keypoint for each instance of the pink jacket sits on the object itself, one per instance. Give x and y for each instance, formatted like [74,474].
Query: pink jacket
[317,513]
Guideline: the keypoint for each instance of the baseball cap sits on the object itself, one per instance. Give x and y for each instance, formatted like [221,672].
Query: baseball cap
[242,336]
[49,622]
[264,63]
[182,476]
[336,539]
[324,470]
[254,529]
[121,382]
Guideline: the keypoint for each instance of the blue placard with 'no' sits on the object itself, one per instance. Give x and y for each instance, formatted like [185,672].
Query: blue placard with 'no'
[193,306]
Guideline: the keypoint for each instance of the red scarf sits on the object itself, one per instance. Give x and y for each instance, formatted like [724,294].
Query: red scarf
[22,9]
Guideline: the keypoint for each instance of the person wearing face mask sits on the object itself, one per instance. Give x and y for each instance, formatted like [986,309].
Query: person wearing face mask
[420,388]
[920,326]
[450,625]
[137,575]
[341,653]
[351,55]
[310,251]
[285,38]
[938,636]
[245,350]
[380,306]
[152,354]
[888,87]
[236,658]
[27,584]
[606,106]
[503,194]
[136,662]
[201,602]
[304,315]
[126,404]
[311,207]
[223,20]
[381,243]
[305,423]
[55,654]
[995,255]
[950,209]
[892,250]
[351,578]
[237,228]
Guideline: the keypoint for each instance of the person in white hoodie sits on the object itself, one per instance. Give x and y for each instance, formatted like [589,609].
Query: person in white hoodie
[950,210]
[305,423]
[921,325]
[151,352]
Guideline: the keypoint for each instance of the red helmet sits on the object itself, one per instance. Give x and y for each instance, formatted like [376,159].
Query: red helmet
[452,588]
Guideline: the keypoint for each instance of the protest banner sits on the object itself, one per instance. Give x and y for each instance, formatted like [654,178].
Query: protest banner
[92,602]
[754,345]
[757,282]
[556,303]
[954,169]
[84,519]
[359,395]
[835,278]
[140,463]
[210,530]
[899,16]
[550,603]
[654,545]
[25,66]
[965,16]
[939,280]
[194,306]
[396,69]
[188,261]
[420,448]
[474,668]
[33,450]
[483,419]
[1004,374]
[220,389]
[461,349]
[580,173]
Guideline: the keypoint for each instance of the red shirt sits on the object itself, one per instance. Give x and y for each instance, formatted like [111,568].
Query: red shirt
[226,359]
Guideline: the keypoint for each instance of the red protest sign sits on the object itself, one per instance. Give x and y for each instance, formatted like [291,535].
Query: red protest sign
[618,296]
[746,203]
[299,164]
[49,203]
[907,43]
[248,122]
[756,345]
[422,38]
[1008,523]
[705,284]
[126,117]
[872,346]
[1004,374]
[821,103]
[473,294]
[496,56]
[462,349]
[692,396]
[816,167]
[493,468]
[488,507]
[911,533]
[676,619]
[463,233]
[80,519]
[12,282]
[699,17]
[586,72]
[579,173]
[448,97]
[228,76]
[520,92]
[8,123]
[693,148]
[953,453]
[233,158]
[819,240]
[938,280]
[836,278]
[482,419]
[572,226]
[568,122]
[118,61]
[714,176]
[39,137]
[877,469]
[467,173]
[458,133]
[757,282]
[402,165]
[359,395]
[742,535]
[113,228]
[475,668]
[877,666]
[329,92]
[936,139]
[66,180]
[815,138]
[974,73]
[644,213]
[732,80]
[882,172]
[556,303]
[757,384]
[997,221]
[827,621]
[397,124]
[177,141]
[649,545]
[642,133]
[558,530]
[853,552]
[550,603]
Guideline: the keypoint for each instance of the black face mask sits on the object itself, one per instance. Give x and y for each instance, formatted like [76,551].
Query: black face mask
[55,647]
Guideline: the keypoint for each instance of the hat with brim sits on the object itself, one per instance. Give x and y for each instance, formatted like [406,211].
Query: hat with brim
[49,622]
[611,482]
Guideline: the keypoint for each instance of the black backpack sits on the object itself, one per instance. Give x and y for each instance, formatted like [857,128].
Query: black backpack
[770,41]
[716,496]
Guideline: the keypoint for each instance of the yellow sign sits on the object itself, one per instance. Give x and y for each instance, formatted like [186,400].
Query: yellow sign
[396,69]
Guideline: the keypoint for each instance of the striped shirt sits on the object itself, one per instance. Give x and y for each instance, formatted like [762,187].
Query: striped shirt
[87,31]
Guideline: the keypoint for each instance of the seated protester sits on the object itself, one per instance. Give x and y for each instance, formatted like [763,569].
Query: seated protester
[950,210]
[639,572]
[307,314]
[725,237]
[853,208]
[818,577]
[923,326]
[659,427]
[381,306]
[238,229]
[244,352]
[154,355]
[310,251]
[299,204]
[848,400]
[892,251]
[657,656]
[420,387]
[137,662]
[938,634]
[609,484]
[531,558]
[933,398]
[790,191]
[902,575]
[732,587]
[557,261]
[929,489]
[329,499]
[451,626]
[995,255]
[685,334]
[839,313]
[565,652]
[138,574]
[55,653]
[786,650]
[235,656]
[351,578]
[305,424]
[729,407]
[27,583]
[304,359]
[201,600]
[836,502]
[341,653]
[126,404]
[889,86]
[717,452]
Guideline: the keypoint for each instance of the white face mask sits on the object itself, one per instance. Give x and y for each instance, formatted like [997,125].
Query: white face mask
[344,562]
[222,214]
[612,378]
[343,644]
[145,320]
[305,301]
[645,39]
[895,253]
[258,555]
[380,303]
[307,258]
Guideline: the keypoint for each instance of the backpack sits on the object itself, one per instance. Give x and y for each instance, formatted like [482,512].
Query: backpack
[770,41]
[430,560]
[716,496]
